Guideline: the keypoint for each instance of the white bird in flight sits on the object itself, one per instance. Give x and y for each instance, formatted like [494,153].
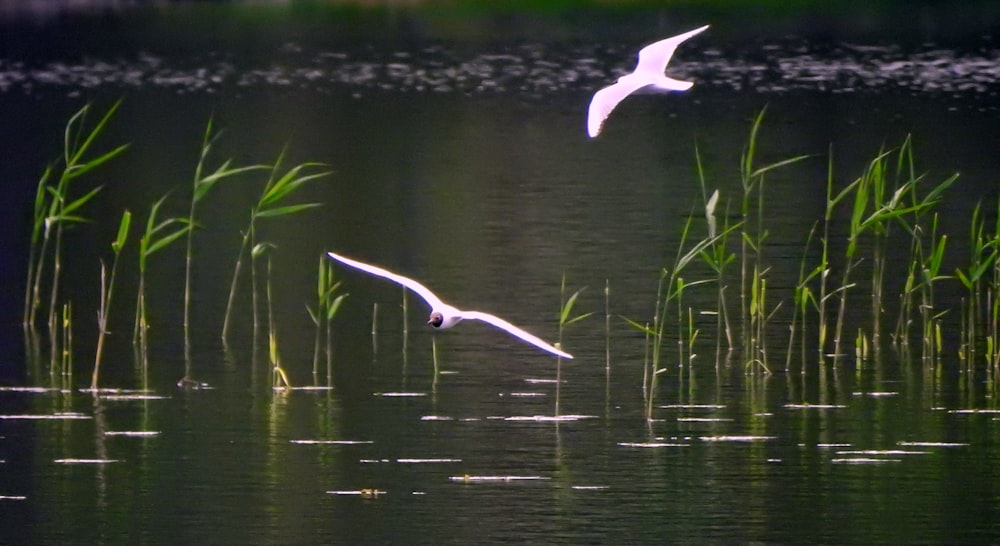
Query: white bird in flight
[446,316]
[653,60]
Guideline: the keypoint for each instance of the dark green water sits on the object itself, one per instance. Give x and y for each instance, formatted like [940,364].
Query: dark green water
[459,157]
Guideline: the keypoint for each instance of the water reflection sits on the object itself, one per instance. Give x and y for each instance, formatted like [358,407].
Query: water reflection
[401,450]
[531,70]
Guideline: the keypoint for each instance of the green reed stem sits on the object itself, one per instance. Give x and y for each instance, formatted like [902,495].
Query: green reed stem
[202,184]
[107,292]
[566,318]
[328,302]
[272,204]
[158,235]
[36,256]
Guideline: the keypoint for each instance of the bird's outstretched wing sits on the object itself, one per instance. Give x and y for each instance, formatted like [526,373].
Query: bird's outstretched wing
[655,57]
[420,289]
[605,100]
[514,331]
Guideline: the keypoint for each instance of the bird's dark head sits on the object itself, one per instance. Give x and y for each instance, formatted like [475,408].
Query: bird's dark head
[436,319]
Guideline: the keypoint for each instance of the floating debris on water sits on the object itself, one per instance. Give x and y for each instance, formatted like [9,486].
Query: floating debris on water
[548,418]
[973,410]
[726,438]
[106,391]
[882,452]
[535,380]
[815,406]
[374,461]
[13,497]
[36,390]
[590,487]
[366,493]
[66,415]
[331,442]
[128,397]
[139,433]
[471,479]
[192,384]
[87,461]
[436,418]
[827,446]
[652,444]
[864,460]
[399,394]
[931,444]
[423,461]
[876,394]
[693,406]
[524,394]
[705,419]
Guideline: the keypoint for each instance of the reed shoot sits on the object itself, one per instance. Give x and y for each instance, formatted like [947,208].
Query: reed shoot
[201,186]
[107,292]
[271,204]
[565,319]
[158,235]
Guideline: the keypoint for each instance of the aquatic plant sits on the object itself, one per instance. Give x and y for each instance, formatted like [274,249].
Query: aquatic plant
[271,204]
[202,184]
[803,299]
[717,257]
[566,318]
[753,236]
[328,302]
[982,256]
[54,207]
[36,256]
[670,288]
[107,292]
[279,376]
[157,236]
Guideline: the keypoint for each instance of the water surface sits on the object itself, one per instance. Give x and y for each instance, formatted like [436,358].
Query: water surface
[464,162]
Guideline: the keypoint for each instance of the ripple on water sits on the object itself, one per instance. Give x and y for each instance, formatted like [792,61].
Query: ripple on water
[530,69]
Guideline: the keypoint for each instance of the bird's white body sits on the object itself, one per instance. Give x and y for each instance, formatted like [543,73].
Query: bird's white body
[653,60]
[446,316]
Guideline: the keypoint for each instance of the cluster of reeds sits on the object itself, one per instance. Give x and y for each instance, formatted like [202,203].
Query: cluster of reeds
[566,318]
[58,204]
[890,206]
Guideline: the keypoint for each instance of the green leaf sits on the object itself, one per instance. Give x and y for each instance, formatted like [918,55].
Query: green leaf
[80,201]
[568,306]
[166,240]
[578,318]
[778,165]
[260,248]
[204,185]
[93,133]
[284,211]
[123,228]
[76,171]
[335,306]
[641,327]
[289,183]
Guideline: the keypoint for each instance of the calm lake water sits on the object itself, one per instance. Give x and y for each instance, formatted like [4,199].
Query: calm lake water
[458,156]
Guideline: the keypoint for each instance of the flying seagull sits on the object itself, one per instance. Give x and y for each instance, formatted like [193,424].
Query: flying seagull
[444,315]
[653,60]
